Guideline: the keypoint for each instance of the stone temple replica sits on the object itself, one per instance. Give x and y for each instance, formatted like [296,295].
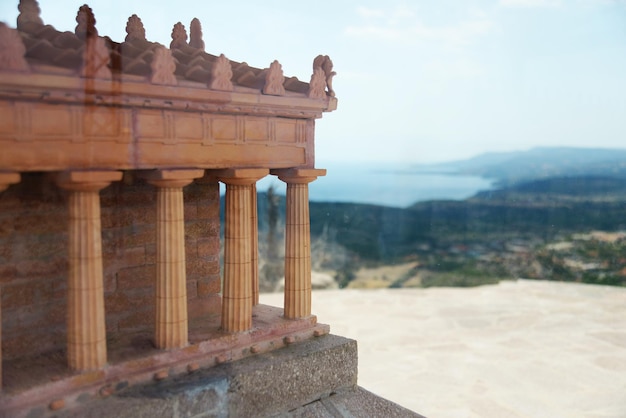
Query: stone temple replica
[113,300]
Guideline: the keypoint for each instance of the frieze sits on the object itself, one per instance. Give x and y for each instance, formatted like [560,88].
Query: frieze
[39,136]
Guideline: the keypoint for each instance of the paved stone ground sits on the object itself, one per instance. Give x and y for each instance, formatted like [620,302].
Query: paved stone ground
[517,349]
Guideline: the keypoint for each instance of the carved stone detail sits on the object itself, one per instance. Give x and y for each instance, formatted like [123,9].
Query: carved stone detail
[317,86]
[163,67]
[86,27]
[96,59]
[324,63]
[179,36]
[221,74]
[12,50]
[274,80]
[29,13]
[195,30]
[135,29]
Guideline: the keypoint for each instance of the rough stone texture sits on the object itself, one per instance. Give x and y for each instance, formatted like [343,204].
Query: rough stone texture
[270,384]
[361,403]
[34,266]
[297,375]
[353,403]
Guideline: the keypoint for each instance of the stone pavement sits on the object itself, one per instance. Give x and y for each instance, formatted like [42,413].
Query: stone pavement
[517,349]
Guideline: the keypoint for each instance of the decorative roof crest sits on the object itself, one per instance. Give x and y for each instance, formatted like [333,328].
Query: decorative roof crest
[163,67]
[274,80]
[195,39]
[29,13]
[86,20]
[135,29]
[96,59]
[221,74]
[324,63]
[179,36]
[12,50]
[317,86]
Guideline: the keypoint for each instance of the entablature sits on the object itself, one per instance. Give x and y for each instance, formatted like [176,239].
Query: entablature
[77,100]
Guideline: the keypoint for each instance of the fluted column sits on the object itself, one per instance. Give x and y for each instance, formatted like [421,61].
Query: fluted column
[171,326]
[237,295]
[6,179]
[254,243]
[86,339]
[298,240]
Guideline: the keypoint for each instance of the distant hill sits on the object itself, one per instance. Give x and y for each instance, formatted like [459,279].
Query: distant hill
[384,233]
[498,233]
[597,188]
[538,163]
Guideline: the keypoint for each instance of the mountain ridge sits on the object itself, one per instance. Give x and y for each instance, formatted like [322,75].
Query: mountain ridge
[542,162]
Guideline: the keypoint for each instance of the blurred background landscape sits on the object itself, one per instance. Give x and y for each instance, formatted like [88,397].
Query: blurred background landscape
[546,214]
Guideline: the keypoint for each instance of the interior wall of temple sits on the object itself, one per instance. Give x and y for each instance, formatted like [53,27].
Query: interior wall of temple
[34,268]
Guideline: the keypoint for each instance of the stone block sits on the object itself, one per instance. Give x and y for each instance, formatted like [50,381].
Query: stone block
[361,403]
[270,384]
[285,379]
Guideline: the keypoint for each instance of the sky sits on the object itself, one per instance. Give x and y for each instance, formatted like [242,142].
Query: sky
[417,81]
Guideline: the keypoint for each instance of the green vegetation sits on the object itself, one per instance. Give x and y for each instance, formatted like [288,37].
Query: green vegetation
[495,235]
[537,230]
[458,280]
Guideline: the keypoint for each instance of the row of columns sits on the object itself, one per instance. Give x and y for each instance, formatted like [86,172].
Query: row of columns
[86,337]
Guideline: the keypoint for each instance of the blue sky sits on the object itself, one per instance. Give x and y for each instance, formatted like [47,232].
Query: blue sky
[422,80]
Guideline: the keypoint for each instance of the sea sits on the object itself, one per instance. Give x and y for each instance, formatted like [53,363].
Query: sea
[394,185]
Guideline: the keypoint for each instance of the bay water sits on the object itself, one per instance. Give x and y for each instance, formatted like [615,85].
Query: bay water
[395,185]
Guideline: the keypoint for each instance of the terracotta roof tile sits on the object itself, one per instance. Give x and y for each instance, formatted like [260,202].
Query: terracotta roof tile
[45,46]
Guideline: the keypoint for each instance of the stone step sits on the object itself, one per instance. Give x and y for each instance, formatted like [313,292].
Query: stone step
[357,402]
[267,384]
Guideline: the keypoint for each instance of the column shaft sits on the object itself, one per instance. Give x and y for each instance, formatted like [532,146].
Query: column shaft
[297,252]
[254,242]
[86,339]
[237,294]
[171,325]
[298,241]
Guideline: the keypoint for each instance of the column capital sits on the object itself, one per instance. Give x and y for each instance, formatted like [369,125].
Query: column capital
[7,179]
[171,177]
[240,176]
[298,175]
[86,181]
